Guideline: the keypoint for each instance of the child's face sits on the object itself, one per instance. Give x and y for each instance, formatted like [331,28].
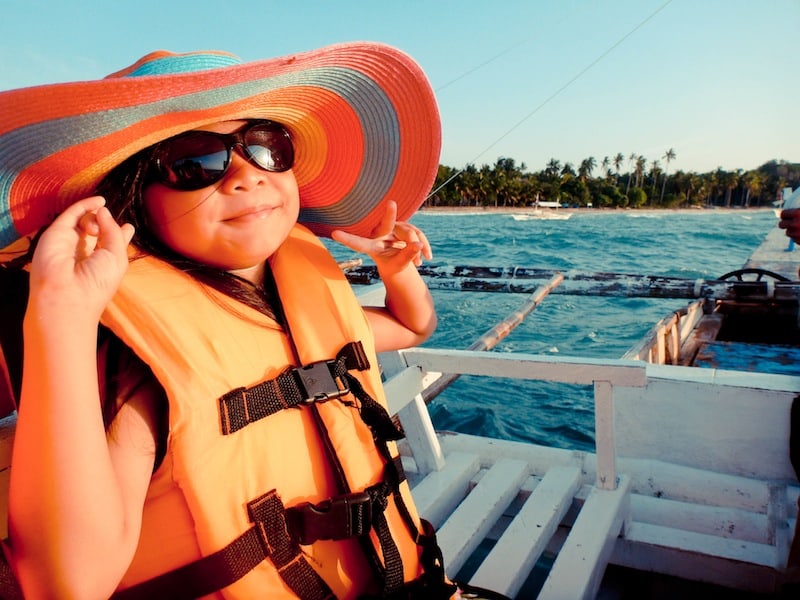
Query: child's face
[236,223]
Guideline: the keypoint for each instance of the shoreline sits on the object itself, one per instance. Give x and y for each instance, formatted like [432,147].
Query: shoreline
[477,210]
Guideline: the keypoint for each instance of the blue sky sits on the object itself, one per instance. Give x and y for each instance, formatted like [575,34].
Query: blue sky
[715,80]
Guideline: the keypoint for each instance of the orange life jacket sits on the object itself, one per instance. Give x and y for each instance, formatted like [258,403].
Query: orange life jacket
[264,458]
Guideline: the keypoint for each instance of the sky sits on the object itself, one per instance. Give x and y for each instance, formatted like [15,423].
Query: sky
[716,81]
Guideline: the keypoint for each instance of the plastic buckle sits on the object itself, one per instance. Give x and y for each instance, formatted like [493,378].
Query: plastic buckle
[333,519]
[319,384]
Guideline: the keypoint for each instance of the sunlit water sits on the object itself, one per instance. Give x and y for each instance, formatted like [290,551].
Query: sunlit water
[695,244]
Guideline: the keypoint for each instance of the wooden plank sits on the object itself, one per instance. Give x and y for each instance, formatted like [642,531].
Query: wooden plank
[579,567]
[401,388]
[698,543]
[529,366]
[440,492]
[469,524]
[606,455]
[511,560]
[740,565]
[720,521]
[421,436]
[731,429]
[706,330]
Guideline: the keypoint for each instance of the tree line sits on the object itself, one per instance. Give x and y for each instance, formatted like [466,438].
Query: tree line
[616,182]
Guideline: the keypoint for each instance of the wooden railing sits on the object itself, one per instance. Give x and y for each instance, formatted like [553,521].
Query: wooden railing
[405,392]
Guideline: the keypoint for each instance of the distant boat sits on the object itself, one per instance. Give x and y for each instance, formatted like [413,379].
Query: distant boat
[542,213]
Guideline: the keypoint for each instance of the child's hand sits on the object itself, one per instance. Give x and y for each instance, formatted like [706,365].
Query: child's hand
[80,259]
[393,245]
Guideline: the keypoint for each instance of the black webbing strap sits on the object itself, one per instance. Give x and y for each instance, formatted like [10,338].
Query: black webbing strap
[392,561]
[268,513]
[373,413]
[294,387]
[268,538]
[432,560]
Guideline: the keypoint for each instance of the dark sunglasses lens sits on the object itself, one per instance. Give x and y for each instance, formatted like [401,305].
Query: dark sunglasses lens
[198,159]
[194,161]
[270,147]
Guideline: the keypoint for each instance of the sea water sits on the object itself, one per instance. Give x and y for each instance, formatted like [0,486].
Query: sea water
[693,244]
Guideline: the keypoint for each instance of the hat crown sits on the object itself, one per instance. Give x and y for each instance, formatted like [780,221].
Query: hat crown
[163,62]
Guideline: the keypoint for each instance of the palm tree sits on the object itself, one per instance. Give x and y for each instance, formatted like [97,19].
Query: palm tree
[668,156]
[607,166]
[641,163]
[631,167]
[618,160]
[655,169]
[553,168]
[752,181]
[586,168]
[728,181]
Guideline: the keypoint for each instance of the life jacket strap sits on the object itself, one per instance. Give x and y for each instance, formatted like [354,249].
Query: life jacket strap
[268,538]
[296,386]
[332,519]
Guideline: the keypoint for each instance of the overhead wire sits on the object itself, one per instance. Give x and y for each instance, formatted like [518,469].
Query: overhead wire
[552,96]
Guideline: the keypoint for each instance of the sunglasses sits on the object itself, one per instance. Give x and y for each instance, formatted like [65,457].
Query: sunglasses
[198,159]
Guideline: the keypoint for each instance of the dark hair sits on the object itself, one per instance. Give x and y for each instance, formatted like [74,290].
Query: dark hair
[123,189]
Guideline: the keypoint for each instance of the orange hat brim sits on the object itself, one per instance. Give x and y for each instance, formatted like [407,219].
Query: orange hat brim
[362,116]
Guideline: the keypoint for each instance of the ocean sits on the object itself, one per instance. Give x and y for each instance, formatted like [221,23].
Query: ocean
[692,244]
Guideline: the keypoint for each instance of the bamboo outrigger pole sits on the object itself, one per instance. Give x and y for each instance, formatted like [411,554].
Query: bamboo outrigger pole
[493,336]
[527,280]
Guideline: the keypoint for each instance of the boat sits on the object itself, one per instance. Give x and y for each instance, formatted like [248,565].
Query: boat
[690,489]
[542,213]
[542,209]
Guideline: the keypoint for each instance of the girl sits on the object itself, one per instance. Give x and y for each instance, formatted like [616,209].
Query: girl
[201,409]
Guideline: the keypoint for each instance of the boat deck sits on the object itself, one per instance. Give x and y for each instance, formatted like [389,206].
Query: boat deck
[779,351]
[532,521]
[764,358]
[776,254]
[689,490]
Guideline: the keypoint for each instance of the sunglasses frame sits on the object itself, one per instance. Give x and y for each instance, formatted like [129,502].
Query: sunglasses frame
[164,174]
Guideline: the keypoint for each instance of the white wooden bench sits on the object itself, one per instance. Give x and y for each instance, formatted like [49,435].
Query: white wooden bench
[587,510]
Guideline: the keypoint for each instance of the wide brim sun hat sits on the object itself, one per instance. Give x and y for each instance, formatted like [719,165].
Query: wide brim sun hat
[362,116]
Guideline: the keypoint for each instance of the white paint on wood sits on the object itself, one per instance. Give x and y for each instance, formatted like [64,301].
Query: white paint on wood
[421,437]
[529,366]
[697,558]
[698,543]
[604,435]
[467,526]
[720,428]
[402,387]
[440,492]
[508,564]
[578,569]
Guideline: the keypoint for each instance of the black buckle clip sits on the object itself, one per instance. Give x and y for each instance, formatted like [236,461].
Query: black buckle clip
[319,383]
[333,519]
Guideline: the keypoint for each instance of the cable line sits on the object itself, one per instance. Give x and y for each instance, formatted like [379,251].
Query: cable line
[547,100]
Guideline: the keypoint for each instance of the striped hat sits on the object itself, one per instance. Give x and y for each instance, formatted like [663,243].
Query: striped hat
[362,117]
